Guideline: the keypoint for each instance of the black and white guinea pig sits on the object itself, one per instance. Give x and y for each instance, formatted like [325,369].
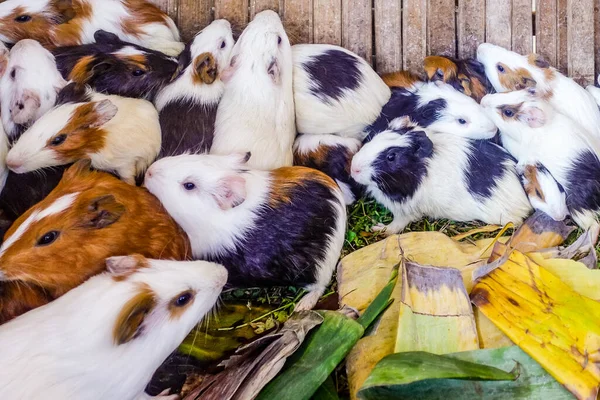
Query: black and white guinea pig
[544,192]
[268,228]
[335,91]
[113,66]
[105,338]
[187,106]
[440,176]
[332,155]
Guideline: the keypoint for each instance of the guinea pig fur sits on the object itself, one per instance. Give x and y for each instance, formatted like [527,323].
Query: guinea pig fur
[440,176]
[88,217]
[438,108]
[595,90]
[56,23]
[112,66]
[402,79]
[335,91]
[117,134]
[29,87]
[509,71]
[188,106]
[105,338]
[256,112]
[268,228]
[534,132]
[544,192]
[332,155]
[467,75]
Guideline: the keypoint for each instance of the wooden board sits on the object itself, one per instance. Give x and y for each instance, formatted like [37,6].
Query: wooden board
[193,16]
[562,59]
[328,21]
[257,6]
[168,6]
[298,20]
[546,30]
[414,33]
[580,37]
[441,28]
[388,35]
[522,26]
[471,27]
[357,28]
[498,23]
[236,11]
[597,35]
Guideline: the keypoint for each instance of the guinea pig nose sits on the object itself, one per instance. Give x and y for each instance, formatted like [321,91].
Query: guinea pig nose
[355,170]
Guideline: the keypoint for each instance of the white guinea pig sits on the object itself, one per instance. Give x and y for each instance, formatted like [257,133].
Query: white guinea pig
[105,338]
[118,134]
[268,228]
[440,176]
[595,90]
[256,112]
[335,91]
[29,87]
[544,192]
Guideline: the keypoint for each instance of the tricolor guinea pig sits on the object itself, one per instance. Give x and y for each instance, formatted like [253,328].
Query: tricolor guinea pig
[440,176]
[105,338]
[187,107]
[112,66]
[335,91]
[438,108]
[534,132]
[401,79]
[466,75]
[509,71]
[56,23]
[118,134]
[544,192]
[256,112]
[29,87]
[89,216]
[332,155]
[268,228]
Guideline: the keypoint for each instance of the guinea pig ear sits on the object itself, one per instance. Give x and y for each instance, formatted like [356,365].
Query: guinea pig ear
[422,145]
[65,10]
[230,192]
[230,70]
[129,322]
[104,111]
[538,61]
[102,212]
[534,117]
[205,68]
[102,36]
[124,266]
[23,109]
[274,72]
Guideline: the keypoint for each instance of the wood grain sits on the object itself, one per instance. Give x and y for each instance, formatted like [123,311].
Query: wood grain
[298,20]
[235,11]
[498,23]
[357,28]
[257,6]
[441,28]
[471,26]
[562,51]
[193,16]
[546,30]
[522,26]
[388,35]
[169,6]
[580,37]
[414,33]
[327,19]
[597,35]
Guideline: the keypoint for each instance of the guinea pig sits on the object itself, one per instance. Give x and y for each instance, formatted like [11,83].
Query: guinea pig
[112,66]
[3,152]
[544,192]
[509,71]
[187,107]
[335,91]
[268,228]
[89,216]
[402,79]
[467,75]
[440,176]
[595,90]
[56,23]
[438,108]
[256,112]
[533,131]
[29,87]
[117,134]
[332,155]
[105,338]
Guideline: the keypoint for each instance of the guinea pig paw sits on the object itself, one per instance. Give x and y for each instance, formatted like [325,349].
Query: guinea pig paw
[164,395]
[379,228]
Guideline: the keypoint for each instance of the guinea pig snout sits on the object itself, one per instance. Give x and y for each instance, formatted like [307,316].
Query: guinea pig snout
[14,163]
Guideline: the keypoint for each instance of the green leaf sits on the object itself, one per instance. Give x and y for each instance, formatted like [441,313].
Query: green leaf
[381,302]
[326,391]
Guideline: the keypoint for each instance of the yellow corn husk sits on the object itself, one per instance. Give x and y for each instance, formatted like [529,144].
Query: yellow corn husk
[555,325]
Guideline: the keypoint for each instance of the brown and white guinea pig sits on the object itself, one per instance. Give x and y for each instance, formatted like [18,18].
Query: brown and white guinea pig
[268,228]
[335,91]
[118,134]
[256,112]
[105,338]
[403,79]
[30,86]
[56,23]
[466,75]
[509,71]
[187,107]
[439,176]
[89,216]
[332,155]
[113,66]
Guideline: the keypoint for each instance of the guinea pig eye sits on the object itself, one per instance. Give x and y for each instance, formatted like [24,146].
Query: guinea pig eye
[48,238]
[183,299]
[391,157]
[23,18]
[462,121]
[189,186]
[138,72]
[278,39]
[223,44]
[58,140]
[500,68]
[440,74]
[509,113]
[13,73]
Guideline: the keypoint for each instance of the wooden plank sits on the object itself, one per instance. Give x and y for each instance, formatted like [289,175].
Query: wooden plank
[522,26]
[562,59]
[388,35]
[546,30]
[257,6]
[168,6]
[471,26]
[328,21]
[441,28]
[498,23]
[235,11]
[357,28]
[580,37]
[414,32]
[298,20]
[597,35]
[193,17]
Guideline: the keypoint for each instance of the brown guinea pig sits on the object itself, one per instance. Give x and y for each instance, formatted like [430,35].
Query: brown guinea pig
[403,79]
[17,298]
[466,76]
[63,240]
